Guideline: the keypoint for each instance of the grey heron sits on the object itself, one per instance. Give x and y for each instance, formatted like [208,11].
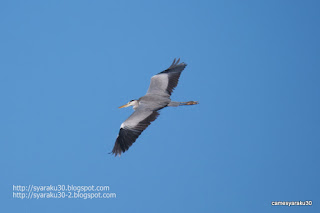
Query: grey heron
[146,108]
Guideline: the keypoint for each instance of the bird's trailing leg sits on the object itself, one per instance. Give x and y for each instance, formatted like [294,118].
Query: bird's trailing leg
[189,103]
[175,103]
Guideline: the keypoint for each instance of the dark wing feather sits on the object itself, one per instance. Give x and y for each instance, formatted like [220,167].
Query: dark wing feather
[164,82]
[132,128]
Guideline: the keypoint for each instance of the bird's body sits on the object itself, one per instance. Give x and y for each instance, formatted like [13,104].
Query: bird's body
[154,101]
[147,107]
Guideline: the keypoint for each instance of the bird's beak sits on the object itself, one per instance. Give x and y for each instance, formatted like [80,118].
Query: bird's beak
[126,105]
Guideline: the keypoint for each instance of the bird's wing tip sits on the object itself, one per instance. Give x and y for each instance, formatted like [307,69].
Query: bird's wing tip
[115,153]
[176,63]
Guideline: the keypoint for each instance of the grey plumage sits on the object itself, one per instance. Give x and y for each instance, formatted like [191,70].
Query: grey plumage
[147,107]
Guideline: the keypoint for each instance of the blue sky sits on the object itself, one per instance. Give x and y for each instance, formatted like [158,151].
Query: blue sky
[254,66]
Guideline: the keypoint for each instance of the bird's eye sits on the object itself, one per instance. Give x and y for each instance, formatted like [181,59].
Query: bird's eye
[131,101]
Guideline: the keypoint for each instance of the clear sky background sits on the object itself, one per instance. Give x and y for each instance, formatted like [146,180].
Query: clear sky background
[254,66]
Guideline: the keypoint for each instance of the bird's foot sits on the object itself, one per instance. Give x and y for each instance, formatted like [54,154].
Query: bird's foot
[192,102]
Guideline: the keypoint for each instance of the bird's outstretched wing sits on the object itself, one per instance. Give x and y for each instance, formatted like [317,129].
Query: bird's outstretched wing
[131,128]
[164,82]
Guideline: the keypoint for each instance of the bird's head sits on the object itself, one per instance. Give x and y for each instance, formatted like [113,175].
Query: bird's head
[130,103]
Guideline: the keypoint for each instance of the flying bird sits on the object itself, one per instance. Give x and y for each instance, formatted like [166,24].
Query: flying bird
[147,107]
